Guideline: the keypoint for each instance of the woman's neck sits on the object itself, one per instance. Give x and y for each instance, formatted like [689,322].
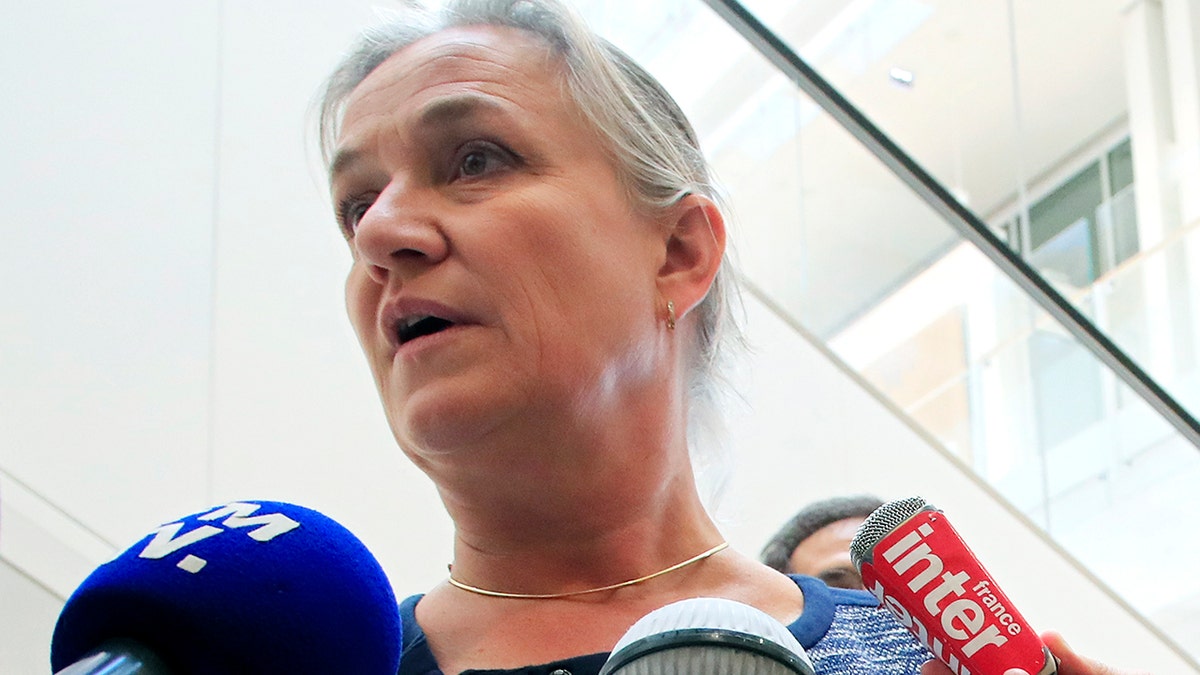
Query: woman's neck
[570,538]
[469,630]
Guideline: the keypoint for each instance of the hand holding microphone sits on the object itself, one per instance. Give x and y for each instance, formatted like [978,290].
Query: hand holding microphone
[248,587]
[1069,663]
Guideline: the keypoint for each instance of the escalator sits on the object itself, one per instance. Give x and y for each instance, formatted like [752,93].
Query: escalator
[1052,348]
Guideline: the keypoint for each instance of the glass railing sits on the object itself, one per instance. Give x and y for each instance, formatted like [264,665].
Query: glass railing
[859,245]
[1148,305]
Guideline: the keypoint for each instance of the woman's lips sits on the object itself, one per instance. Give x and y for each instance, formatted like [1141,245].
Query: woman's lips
[418,326]
[410,319]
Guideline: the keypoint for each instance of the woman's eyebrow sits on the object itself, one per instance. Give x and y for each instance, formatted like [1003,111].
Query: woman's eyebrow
[451,109]
[442,112]
[343,159]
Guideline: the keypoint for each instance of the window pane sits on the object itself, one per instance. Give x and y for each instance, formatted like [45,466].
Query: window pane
[1120,166]
[1077,198]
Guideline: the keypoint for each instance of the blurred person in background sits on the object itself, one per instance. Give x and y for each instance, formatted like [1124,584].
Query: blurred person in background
[816,541]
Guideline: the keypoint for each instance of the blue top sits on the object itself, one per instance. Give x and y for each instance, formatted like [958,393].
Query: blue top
[844,632]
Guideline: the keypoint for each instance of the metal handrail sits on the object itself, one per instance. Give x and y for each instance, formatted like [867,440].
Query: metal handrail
[783,57]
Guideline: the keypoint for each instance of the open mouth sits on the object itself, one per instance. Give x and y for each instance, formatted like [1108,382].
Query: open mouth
[419,326]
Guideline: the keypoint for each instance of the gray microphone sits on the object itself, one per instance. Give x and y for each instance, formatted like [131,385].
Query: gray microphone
[118,657]
[708,636]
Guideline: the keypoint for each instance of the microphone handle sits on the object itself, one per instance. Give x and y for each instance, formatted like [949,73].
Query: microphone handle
[117,657]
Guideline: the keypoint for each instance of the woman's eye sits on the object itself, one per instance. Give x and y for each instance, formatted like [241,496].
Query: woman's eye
[480,158]
[474,163]
[350,213]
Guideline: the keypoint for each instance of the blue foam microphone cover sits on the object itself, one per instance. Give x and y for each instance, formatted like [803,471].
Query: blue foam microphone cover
[248,587]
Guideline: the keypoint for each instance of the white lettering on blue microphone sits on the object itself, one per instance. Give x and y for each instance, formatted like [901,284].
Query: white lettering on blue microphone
[272,524]
[165,542]
[168,540]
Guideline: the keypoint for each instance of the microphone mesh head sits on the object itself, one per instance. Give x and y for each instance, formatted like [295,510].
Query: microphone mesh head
[708,636]
[705,660]
[879,524]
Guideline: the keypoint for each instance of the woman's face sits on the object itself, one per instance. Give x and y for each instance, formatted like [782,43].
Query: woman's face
[500,274]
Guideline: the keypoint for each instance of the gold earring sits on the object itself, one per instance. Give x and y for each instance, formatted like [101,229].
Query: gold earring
[670,315]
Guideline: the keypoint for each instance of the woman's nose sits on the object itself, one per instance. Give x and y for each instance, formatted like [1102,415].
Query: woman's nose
[400,234]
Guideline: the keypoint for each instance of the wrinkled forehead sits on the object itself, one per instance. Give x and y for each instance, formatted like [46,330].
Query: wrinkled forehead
[494,60]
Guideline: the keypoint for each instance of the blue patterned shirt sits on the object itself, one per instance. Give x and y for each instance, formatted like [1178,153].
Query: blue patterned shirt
[844,633]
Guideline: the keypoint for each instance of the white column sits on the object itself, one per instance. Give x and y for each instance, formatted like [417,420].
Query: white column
[1181,21]
[1150,116]
[1151,126]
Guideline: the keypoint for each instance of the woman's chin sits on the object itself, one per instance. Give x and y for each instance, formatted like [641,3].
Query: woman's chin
[435,426]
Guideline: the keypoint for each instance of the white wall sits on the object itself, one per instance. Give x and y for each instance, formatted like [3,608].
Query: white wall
[173,333]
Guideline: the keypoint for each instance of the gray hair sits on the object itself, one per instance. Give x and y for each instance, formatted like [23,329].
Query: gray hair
[655,149]
[778,552]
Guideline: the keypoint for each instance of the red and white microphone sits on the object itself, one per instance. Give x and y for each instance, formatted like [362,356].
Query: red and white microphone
[921,570]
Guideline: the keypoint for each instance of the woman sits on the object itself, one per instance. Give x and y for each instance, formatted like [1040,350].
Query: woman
[539,290]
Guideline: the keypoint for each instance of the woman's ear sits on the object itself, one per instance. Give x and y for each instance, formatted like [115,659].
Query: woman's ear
[695,247]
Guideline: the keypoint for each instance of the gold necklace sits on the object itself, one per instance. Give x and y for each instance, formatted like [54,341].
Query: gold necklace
[611,587]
